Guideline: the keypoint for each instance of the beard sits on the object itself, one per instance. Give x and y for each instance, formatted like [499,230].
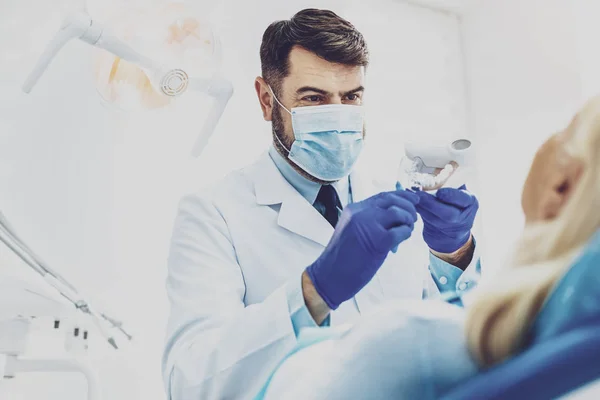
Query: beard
[278,128]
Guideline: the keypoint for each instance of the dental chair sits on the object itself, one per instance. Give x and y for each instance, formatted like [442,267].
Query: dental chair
[546,371]
[562,359]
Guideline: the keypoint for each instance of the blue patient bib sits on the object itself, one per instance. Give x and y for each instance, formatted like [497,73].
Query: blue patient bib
[575,299]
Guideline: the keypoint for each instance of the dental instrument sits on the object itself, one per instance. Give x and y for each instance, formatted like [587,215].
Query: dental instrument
[9,237]
[25,309]
[430,167]
[156,81]
[22,303]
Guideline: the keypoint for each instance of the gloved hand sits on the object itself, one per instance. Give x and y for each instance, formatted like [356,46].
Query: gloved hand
[363,237]
[447,218]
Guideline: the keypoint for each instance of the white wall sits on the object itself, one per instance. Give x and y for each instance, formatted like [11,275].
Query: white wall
[524,79]
[95,193]
[585,13]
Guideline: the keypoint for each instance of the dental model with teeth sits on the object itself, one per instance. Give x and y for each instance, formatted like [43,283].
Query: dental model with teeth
[431,182]
[429,168]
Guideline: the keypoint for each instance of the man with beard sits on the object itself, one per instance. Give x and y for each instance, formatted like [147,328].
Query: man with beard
[299,239]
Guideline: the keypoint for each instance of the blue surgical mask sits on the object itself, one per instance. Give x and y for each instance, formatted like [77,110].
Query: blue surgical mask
[328,139]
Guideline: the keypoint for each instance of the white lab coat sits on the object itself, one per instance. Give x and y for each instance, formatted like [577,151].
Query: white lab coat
[237,254]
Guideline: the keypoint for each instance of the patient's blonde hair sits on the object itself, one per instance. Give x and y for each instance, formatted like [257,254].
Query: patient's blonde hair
[507,304]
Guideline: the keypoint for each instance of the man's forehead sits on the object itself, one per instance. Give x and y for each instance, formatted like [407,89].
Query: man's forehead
[308,69]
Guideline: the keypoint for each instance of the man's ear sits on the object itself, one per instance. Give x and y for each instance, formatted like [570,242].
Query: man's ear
[265,97]
[563,188]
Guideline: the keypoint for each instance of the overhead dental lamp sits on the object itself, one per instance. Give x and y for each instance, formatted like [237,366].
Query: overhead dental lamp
[161,54]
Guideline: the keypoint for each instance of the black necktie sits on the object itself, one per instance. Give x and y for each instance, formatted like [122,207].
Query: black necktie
[327,203]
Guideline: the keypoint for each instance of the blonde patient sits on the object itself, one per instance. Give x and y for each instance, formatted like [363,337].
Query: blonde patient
[421,350]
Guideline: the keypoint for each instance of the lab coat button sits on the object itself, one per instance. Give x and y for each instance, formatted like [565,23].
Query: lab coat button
[462,286]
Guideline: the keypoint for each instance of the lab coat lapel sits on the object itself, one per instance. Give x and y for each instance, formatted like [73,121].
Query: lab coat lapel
[372,294]
[296,214]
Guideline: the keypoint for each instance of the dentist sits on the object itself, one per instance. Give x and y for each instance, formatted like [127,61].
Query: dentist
[300,238]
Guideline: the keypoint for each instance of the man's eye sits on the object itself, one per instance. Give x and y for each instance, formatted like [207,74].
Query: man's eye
[353,97]
[313,99]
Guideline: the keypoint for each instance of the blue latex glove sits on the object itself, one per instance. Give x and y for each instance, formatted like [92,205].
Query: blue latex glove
[447,218]
[363,237]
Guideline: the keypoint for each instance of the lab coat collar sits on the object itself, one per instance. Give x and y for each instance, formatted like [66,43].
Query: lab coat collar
[296,213]
[308,189]
[270,186]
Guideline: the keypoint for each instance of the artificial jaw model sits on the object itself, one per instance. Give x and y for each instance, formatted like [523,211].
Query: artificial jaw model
[429,167]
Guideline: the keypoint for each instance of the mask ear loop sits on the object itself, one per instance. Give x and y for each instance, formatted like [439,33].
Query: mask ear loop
[289,112]
[277,100]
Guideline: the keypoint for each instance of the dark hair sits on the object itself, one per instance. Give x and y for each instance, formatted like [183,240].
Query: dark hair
[321,32]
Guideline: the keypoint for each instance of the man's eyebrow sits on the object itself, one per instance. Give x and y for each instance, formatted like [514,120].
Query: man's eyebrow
[358,89]
[305,89]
